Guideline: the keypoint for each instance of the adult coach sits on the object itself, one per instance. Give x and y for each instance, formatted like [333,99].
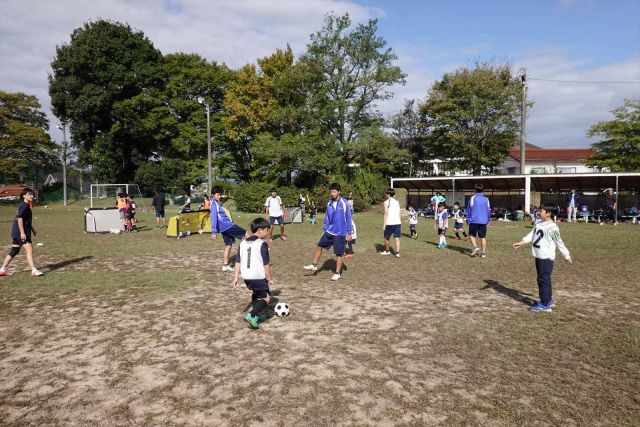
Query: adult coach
[478,216]
[611,205]
[158,206]
[392,223]
[573,204]
[273,209]
[435,201]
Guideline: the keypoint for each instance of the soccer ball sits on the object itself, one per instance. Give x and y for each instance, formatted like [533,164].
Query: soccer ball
[282,309]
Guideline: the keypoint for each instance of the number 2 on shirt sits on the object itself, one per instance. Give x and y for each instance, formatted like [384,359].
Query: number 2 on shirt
[540,234]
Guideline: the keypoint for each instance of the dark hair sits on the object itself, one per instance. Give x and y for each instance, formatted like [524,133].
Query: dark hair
[550,208]
[409,206]
[273,190]
[25,191]
[131,196]
[216,190]
[456,203]
[258,223]
[335,186]
[441,204]
[478,188]
[391,192]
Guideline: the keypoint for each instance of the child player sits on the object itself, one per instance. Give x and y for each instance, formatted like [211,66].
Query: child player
[252,262]
[21,234]
[412,217]
[443,223]
[546,238]
[458,227]
[221,223]
[337,229]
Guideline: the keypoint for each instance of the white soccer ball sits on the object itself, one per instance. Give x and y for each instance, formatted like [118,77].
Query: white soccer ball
[116,231]
[282,309]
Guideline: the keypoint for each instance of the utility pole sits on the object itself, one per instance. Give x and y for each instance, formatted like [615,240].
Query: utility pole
[202,101]
[63,128]
[523,121]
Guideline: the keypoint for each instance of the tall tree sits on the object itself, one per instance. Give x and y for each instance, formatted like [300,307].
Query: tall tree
[410,134]
[473,116]
[24,142]
[619,145]
[100,82]
[346,72]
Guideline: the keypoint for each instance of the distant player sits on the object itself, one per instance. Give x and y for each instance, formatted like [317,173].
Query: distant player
[252,262]
[478,216]
[546,238]
[313,210]
[121,204]
[412,218]
[443,224]
[458,226]
[392,223]
[158,206]
[435,201]
[273,209]
[337,230]
[187,203]
[21,234]
[221,223]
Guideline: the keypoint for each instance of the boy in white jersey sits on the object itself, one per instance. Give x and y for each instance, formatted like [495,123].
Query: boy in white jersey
[252,262]
[545,237]
[392,222]
[443,223]
[459,224]
[412,217]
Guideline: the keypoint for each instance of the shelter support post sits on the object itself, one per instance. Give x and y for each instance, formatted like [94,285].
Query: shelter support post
[527,195]
[454,190]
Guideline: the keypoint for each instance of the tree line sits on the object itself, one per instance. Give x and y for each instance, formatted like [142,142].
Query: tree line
[136,115]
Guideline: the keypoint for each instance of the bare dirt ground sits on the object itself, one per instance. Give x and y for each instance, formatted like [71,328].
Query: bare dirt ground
[432,338]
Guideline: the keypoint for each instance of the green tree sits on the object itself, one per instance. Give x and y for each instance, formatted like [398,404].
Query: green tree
[409,132]
[24,142]
[346,73]
[103,84]
[619,145]
[473,116]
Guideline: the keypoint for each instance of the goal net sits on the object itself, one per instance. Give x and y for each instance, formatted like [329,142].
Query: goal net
[104,195]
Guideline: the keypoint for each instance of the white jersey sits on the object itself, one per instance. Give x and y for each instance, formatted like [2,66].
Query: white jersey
[251,261]
[393,212]
[413,217]
[443,220]
[545,237]
[457,214]
[354,236]
[275,206]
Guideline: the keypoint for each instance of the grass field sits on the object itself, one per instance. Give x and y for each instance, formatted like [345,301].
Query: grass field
[141,329]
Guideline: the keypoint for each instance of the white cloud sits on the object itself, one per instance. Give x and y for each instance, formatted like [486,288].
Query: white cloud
[233,32]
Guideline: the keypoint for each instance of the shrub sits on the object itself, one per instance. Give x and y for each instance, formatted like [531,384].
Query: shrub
[251,197]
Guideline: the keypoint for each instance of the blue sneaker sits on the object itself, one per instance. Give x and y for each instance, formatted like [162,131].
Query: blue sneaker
[538,306]
[445,246]
[440,246]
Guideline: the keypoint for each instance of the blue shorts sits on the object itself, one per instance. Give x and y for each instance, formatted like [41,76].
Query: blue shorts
[392,230]
[229,236]
[278,219]
[478,230]
[458,225]
[327,240]
[258,285]
[159,214]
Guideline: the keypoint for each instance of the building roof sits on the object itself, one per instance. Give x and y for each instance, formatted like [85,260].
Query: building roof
[553,154]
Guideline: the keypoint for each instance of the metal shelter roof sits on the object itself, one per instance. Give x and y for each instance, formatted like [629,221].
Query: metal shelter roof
[623,181]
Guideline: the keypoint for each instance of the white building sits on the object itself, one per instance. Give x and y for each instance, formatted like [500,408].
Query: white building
[547,160]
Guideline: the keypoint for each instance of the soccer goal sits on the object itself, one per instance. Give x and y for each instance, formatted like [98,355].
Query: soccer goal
[104,195]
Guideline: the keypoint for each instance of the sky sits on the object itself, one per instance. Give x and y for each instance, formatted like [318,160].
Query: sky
[574,41]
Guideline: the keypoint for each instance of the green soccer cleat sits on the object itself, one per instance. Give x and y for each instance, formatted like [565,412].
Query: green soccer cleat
[261,317]
[253,321]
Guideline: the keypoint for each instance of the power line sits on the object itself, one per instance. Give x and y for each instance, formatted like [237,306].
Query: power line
[582,82]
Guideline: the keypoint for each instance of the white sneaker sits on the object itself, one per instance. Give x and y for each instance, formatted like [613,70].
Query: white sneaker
[227,268]
[475,251]
[385,253]
[483,255]
[36,273]
[397,254]
[336,276]
[311,267]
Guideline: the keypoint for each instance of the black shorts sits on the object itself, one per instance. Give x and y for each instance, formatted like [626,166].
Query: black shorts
[261,293]
[327,240]
[19,242]
[478,230]
[229,236]
[392,230]
[441,231]
[257,285]
[458,225]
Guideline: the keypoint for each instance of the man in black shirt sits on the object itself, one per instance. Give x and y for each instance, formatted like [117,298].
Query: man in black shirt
[610,206]
[158,205]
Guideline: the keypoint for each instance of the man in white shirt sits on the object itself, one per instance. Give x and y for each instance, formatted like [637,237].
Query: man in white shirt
[392,223]
[273,209]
